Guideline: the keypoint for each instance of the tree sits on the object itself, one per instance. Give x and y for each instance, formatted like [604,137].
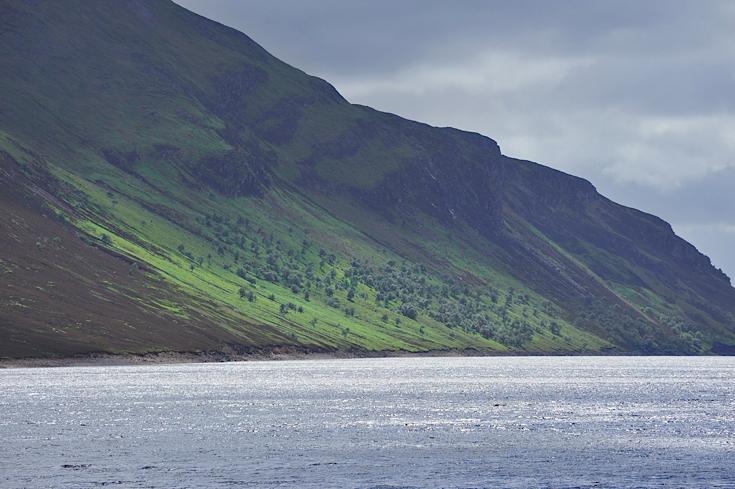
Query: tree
[555,328]
[283,309]
[106,240]
[351,295]
[409,311]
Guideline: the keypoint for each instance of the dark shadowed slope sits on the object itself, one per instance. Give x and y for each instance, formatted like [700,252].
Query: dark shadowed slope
[169,185]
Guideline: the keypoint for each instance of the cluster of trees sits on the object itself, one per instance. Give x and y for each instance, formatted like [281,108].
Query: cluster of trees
[692,339]
[412,290]
[409,291]
[652,332]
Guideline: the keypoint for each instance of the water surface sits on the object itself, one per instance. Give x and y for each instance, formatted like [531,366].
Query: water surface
[373,423]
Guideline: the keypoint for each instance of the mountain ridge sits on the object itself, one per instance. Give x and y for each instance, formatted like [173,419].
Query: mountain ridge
[266,210]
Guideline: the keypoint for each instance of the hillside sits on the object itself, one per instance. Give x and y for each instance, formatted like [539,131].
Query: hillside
[168,185]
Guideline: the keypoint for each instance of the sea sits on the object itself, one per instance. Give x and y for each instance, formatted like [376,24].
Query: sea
[460,422]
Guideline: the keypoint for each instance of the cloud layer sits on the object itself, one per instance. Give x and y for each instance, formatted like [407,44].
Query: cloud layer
[635,96]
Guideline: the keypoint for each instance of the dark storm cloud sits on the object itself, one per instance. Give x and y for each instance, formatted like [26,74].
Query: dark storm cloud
[636,96]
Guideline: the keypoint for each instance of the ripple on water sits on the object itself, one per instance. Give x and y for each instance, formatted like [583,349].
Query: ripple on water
[379,423]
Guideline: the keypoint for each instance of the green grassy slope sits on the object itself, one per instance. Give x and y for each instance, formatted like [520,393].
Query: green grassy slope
[250,206]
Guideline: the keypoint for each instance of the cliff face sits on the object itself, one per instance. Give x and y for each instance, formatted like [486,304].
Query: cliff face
[266,210]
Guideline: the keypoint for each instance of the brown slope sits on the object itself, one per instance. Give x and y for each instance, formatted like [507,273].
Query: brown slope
[61,296]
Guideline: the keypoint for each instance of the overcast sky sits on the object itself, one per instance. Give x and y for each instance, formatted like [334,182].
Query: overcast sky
[636,96]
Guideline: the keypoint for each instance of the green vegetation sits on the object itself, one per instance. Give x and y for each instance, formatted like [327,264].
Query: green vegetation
[252,207]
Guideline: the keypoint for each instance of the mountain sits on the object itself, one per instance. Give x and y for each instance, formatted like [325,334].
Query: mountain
[168,185]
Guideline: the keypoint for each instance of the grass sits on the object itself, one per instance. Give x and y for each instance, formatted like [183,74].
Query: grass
[356,208]
[114,206]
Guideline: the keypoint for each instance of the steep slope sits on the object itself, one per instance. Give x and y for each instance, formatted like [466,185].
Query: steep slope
[192,192]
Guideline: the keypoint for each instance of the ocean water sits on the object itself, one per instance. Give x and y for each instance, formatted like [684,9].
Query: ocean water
[373,423]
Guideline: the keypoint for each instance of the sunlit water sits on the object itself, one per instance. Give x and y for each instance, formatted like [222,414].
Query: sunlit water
[382,423]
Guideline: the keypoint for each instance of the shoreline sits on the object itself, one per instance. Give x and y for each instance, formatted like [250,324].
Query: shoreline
[101,359]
